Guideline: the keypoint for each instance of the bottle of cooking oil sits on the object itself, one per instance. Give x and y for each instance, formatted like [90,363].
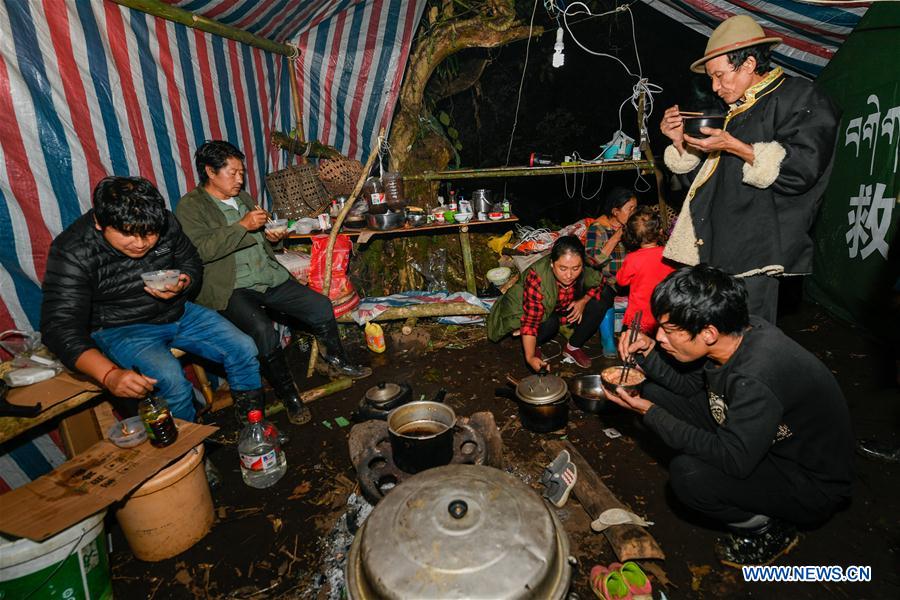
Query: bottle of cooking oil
[374,337]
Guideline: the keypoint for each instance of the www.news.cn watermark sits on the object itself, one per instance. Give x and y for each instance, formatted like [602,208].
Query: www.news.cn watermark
[811,573]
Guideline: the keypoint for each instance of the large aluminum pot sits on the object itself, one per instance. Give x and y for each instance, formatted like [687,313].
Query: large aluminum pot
[460,531]
[421,435]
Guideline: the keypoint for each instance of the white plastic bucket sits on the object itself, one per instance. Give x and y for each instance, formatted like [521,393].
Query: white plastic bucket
[72,565]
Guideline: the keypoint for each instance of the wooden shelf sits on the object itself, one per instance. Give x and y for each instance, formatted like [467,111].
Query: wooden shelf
[645,166]
[367,233]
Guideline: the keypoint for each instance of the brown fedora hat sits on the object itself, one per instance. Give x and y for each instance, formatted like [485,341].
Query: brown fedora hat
[734,33]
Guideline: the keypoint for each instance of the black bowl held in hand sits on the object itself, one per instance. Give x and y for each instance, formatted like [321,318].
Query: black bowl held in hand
[692,125]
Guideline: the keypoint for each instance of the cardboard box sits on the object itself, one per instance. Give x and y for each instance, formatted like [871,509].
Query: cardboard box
[53,391]
[88,483]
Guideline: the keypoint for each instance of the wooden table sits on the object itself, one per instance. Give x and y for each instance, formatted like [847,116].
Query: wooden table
[363,236]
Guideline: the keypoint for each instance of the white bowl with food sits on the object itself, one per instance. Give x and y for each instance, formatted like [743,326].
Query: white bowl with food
[277,226]
[160,280]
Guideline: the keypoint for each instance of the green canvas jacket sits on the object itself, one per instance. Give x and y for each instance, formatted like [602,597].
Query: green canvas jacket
[216,242]
[506,314]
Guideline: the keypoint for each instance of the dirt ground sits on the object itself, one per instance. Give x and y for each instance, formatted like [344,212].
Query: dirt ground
[281,542]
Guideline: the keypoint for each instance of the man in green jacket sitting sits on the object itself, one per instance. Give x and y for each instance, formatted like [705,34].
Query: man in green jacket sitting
[242,279]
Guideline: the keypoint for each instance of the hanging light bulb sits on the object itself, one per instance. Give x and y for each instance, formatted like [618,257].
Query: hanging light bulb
[559,58]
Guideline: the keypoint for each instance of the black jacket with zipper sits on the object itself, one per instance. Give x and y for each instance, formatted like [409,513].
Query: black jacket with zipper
[89,285]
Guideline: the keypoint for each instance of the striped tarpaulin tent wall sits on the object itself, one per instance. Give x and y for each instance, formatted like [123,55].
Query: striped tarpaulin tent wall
[279,20]
[812,33]
[352,58]
[350,70]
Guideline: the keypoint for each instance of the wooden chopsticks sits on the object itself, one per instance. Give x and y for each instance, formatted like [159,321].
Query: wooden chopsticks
[632,338]
[268,219]
[686,113]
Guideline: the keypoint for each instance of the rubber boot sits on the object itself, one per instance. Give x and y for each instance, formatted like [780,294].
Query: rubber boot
[334,354]
[608,334]
[275,369]
[245,401]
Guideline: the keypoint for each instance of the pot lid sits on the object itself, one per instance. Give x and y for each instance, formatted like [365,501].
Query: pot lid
[383,393]
[460,531]
[541,389]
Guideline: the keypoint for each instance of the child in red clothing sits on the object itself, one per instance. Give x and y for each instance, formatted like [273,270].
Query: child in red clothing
[643,267]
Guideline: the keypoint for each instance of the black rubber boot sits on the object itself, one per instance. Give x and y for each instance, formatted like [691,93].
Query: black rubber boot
[275,370]
[335,356]
[245,401]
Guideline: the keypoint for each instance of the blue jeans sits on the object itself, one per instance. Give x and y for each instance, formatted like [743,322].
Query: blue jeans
[199,331]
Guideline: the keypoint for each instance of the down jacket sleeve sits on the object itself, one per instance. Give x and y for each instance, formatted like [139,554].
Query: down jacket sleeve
[66,307]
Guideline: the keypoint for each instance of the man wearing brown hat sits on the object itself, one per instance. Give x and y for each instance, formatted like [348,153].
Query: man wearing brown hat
[758,181]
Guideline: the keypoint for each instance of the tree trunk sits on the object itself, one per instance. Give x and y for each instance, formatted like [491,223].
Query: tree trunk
[494,26]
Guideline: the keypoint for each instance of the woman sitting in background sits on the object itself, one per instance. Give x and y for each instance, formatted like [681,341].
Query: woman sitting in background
[604,248]
[555,290]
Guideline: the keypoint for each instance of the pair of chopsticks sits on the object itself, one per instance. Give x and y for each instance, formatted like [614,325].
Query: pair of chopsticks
[268,219]
[686,113]
[632,338]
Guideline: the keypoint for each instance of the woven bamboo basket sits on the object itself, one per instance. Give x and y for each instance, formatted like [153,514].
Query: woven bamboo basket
[339,175]
[297,192]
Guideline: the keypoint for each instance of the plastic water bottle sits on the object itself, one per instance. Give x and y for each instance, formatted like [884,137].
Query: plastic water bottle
[262,460]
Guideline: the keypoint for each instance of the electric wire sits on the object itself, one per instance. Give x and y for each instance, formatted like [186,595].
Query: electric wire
[512,134]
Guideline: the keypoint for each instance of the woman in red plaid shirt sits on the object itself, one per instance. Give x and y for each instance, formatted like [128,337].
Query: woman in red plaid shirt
[575,304]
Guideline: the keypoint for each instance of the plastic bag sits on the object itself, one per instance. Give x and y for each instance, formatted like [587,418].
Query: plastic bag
[297,263]
[31,360]
[434,271]
[342,294]
[539,244]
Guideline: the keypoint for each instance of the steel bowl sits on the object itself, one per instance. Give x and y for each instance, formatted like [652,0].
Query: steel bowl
[416,219]
[588,393]
[692,125]
[385,221]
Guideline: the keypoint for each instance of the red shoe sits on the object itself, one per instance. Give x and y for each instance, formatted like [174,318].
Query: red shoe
[577,356]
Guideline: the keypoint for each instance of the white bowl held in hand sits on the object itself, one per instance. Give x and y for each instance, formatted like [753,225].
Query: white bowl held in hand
[159,280]
[277,226]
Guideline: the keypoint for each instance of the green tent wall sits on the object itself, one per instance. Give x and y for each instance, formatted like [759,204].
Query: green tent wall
[855,270]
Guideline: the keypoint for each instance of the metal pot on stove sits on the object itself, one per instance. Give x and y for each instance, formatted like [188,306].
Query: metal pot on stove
[543,401]
[460,531]
[421,435]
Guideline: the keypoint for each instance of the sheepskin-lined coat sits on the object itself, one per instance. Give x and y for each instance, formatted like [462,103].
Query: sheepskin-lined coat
[755,219]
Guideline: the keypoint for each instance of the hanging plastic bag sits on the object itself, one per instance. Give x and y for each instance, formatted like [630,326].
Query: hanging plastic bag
[434,271]
[342,294]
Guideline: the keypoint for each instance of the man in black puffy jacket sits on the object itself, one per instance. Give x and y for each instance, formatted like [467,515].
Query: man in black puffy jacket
[100,318]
